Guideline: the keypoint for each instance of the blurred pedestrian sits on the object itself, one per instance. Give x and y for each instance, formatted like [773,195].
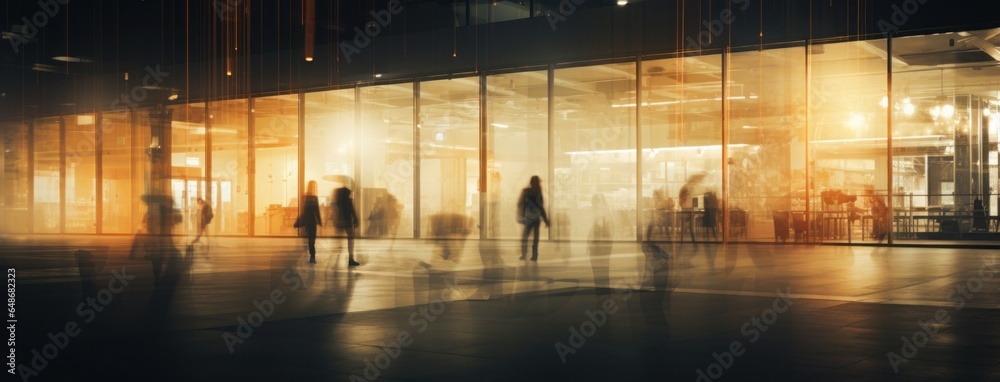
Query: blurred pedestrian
[205,216]
[309,218]
[347,219]
[530,213]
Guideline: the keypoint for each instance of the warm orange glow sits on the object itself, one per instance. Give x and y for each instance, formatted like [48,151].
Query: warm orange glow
[309,21]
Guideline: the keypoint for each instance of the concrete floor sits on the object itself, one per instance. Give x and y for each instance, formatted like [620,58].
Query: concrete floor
[255,309]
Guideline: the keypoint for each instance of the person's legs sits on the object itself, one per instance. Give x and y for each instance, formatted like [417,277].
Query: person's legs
[536,227]
[350,246]
[524,240]
[311,234]
[201,230]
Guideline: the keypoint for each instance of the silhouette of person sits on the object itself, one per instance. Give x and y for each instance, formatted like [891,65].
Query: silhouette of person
[979,221]
[880,218]
[309,218]
[346,220]
[157,242]
[391,215]
[709,219]
[531,212]
[376,219]
[205,216]
[686,210]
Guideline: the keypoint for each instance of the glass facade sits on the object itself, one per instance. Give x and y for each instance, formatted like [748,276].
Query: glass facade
[117,168]
[188,175]
[81,174]
[791,142]
[230,164]
[330,146]
[593,133]
[275,124]
[14,212]
[517,147]
[47,191]
[387,166]
[448,150]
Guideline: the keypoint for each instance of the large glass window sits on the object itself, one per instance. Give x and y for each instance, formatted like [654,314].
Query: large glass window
[387,168]
[81,174]
[944,132]
[449,149]
[767,141]
[517,122]
[14,205]
[682,147]
[848,150]
[329,146]
[117,168]
[187,161]
[230,158]
[47,190]
[594,149]
[276,164]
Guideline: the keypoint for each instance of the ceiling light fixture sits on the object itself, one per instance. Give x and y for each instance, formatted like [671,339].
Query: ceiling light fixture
[71,59]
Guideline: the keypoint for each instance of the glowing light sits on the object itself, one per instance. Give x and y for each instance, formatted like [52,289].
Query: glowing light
[884,102]
[948,110]
[856,121]
[908,108]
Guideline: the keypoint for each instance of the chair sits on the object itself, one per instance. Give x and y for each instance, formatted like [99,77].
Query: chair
[799,225]
[781,226]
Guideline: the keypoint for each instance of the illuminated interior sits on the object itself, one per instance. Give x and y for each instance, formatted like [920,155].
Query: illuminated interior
[769,130]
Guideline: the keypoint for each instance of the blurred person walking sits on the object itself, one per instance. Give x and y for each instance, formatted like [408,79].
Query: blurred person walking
[309,218]
[346,220]
[205,216]
[530,213]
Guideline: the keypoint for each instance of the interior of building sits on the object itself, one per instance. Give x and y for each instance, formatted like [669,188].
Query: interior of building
[861,134]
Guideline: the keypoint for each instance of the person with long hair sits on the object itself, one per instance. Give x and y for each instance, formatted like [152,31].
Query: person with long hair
[531,212]
[309,218]
[347,219]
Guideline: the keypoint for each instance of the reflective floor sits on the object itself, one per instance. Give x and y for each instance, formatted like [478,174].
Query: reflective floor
[255,309]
